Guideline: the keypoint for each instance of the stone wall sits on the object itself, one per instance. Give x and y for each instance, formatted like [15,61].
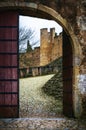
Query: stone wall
[49,50]
[50,46]
[51,68]
[30,59]
[57,47]
[37,71]
[54,87]
[44,45]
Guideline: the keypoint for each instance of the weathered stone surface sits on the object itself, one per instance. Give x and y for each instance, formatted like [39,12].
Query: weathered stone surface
[42,124]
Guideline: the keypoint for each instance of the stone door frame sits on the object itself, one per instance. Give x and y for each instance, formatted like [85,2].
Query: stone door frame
[41,11]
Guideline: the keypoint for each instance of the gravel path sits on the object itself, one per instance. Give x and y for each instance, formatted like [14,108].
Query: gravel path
[35,103]
[42,124]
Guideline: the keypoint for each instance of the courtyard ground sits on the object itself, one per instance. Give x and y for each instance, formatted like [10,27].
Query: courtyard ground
[39,111]
[34,102]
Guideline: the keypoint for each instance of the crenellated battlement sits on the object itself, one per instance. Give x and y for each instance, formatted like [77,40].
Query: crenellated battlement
[49,50]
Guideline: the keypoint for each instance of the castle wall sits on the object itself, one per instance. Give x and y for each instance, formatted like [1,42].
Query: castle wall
[44,47]
[49,50]
[57,47]
[36,57]
[30,59]
[51,46]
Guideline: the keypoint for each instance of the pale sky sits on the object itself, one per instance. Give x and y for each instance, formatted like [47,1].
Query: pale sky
[37,24]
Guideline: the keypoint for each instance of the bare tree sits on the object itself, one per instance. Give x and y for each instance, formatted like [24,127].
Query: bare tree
[26,35]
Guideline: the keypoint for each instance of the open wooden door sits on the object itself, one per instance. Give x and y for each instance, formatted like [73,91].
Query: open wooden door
[9,87]
[67,76]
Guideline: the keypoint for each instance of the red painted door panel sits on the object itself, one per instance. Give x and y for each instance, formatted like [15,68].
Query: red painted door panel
[67,76]
[9,94]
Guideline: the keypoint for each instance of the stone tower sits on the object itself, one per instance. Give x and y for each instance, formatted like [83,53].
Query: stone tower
[44,45]
[57,47]
[50,46]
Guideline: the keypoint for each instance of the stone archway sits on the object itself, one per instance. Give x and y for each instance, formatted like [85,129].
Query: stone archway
[39,10]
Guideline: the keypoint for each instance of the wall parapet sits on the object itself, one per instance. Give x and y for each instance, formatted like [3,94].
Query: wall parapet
[37,71]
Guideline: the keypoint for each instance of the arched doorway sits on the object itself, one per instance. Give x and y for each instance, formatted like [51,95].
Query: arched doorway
[9,90]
